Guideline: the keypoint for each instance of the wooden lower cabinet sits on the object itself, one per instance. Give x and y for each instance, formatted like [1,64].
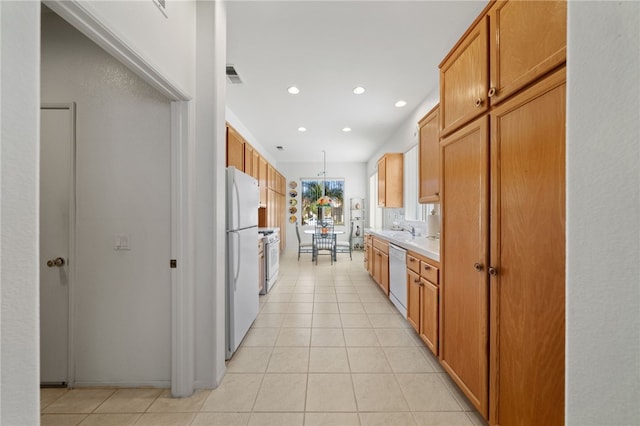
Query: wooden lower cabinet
[413,299]
[429,322]
[368,255]
[422,299]
[380,252]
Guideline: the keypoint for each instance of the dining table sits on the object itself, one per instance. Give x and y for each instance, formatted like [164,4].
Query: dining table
[334,232]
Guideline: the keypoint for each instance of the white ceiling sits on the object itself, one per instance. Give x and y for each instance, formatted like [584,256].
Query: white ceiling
[326,48]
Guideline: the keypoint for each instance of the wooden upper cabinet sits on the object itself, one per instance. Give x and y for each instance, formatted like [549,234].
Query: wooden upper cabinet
[429,162]
[262,180]
[271,177]
[280,183]
[390,180]
[528,39]
[464,78]
[382,182]
[248,159]
[235,149]
[255,164]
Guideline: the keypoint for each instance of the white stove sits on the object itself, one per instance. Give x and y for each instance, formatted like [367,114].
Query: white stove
[272,257]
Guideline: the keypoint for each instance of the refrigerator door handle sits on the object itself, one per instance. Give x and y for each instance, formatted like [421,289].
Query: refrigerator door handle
[235,258]
[236,209]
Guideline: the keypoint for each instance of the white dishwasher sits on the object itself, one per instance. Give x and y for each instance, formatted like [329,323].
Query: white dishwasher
[398,278]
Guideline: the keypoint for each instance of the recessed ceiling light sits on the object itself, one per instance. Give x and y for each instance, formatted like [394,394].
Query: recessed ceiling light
[293,90]
[400,104]
[358,90]
[346,129]
[302,129]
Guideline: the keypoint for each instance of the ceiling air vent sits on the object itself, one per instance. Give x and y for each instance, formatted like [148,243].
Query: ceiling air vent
[232,75]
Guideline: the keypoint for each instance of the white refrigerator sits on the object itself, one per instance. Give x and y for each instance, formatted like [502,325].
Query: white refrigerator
[242,256]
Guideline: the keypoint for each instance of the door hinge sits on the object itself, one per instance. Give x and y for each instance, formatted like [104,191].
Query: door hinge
[173,263]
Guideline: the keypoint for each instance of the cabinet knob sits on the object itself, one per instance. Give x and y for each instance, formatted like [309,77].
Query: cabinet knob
[493,271]
[427,267]
[478,267]
[478,102]
[417,281]
[492,92]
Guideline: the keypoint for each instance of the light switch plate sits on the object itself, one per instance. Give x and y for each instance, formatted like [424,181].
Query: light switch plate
[121,242]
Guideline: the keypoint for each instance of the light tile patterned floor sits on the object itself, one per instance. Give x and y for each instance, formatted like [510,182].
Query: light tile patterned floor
[327,348]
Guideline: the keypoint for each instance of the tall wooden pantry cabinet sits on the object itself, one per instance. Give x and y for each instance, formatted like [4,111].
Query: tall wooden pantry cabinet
[502,123]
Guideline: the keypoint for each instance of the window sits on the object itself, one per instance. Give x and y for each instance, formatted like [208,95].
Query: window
[375,212]
[312,190]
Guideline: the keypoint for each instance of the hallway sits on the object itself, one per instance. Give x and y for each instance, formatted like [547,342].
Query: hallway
[327,348]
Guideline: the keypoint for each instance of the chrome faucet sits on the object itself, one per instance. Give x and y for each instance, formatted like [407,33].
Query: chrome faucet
[412,230]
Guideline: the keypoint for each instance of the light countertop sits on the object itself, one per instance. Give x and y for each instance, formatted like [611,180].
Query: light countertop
[428,247]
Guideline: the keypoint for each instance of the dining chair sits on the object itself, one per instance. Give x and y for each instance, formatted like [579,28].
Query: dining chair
[303,247]
[324,239]
[346,246]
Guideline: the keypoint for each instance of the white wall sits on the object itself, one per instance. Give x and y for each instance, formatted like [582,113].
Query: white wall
[19,150]
[210,158]
[596,339]
[603,211]
[406,135]
[355,185]
[237,124]
[166,43]
[122,299]
[168,46]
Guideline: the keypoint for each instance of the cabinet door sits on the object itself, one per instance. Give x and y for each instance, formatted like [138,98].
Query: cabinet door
[248,159]
[528,39]
[413,299]
[384,272]
[235,150]
[465,223]
[370,258]
[429,315]
[282,215]
[464,76]
[528,252]
[255,164]
[429,163]
[262,172]
[382,182]
[271,177]
[377,266]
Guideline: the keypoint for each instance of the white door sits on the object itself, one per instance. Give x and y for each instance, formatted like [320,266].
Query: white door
[57,128]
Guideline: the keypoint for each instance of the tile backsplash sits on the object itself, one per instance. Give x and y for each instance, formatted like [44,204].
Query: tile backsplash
[429,227]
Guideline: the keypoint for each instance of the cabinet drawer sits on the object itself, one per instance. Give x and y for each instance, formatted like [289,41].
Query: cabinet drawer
[413,263]
[429,272]
[381,245]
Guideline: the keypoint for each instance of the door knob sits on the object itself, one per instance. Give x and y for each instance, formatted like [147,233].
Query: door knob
[55,262]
